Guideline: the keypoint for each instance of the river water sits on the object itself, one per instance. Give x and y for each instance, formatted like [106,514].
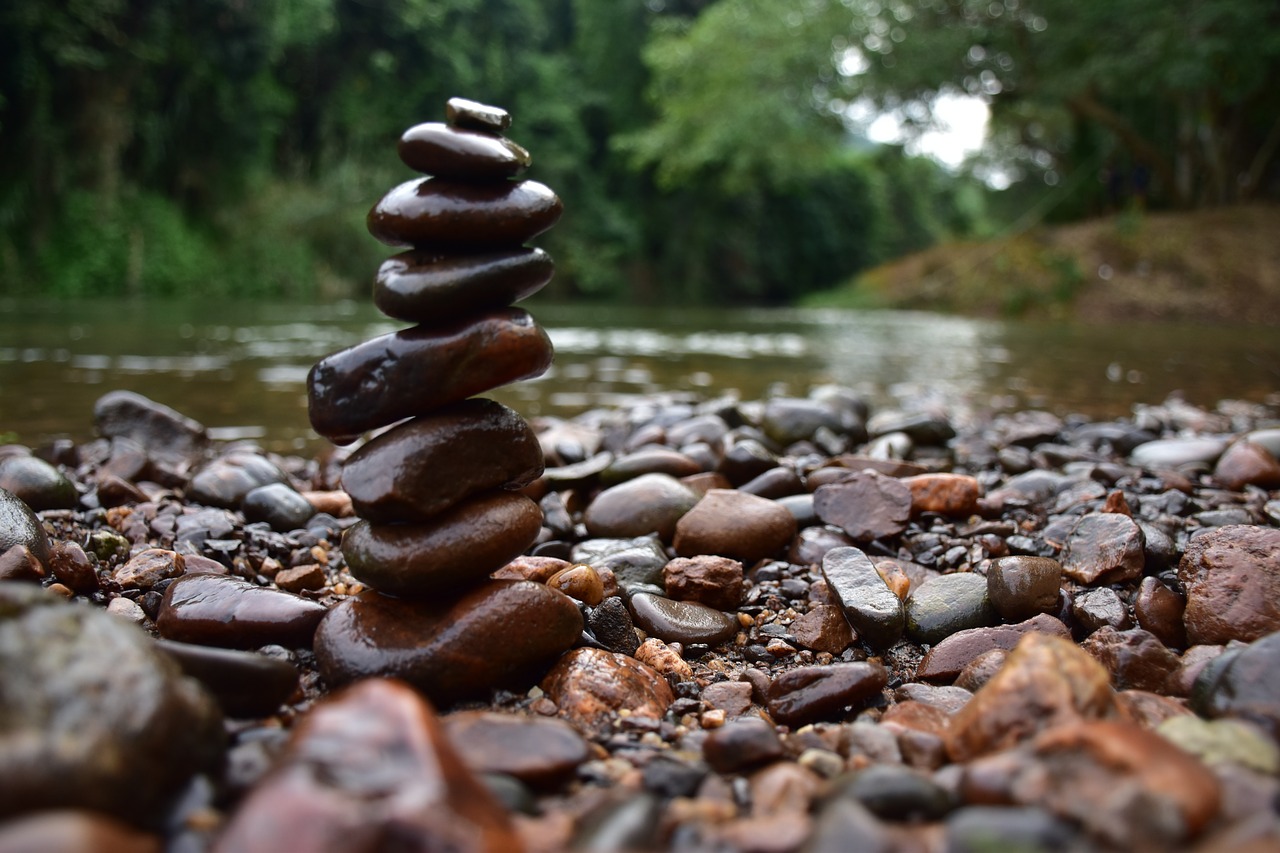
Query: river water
[240,367]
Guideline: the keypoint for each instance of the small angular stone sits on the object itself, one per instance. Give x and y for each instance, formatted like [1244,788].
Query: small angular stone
[867,505]
[149,567]
[590,686]
[472,115]
[714,581]
[823,629]
[1104,548]
[946,494]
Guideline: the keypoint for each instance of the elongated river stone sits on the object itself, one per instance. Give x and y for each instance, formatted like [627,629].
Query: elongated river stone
[432,463]
[870,606]
[219,610]
[453,550]
[502,634]
[681,621]
[434,148]
[437,212]
[430,288]
[417,370]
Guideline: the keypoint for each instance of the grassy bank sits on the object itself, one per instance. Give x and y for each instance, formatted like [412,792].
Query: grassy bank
[1220,265]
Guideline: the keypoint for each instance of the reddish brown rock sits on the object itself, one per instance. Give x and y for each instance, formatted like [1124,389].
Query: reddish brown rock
[735,525]
[1135,658]
[1159,610]
[418,370]
[501,634]
[367,765]
[1020,587]
[219,610]
[1104,548]
[580,582]
[732,697]
[434,462]
[148,568]
[813,693]
[742,744]
[713,581]
[1046,681]
[542,752]
[540,569]
[866,506]
[19,563]
[1247,464]
[946,494]
[435,212]
[945,661]
[456,549]
[590,686]
[823,629]
[434,148]
[1147,709]
[301,578]
[1232,578]
[71,566]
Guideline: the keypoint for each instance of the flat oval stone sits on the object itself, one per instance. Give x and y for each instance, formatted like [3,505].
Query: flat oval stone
[498,635]
[225,481]
[429,288]
[434,148]
[943,605]
[367,769]
[19,526]
[651,503]
[681,621]
[867,505]
[946,660]
[219,610]
[542,752]
[872,608]
[415,371]
[1175,452]
[279,505]
[421,468]
[812,693]
[742,744]
[455,549]
[734,524]
[245,684]
[436,212]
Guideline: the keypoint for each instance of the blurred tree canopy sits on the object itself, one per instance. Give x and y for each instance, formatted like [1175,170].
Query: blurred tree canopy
[703,148]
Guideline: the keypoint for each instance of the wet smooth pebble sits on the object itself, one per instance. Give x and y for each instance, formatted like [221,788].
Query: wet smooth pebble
[542,752]
[650,503]
[21,527]
[279,505]
[943,605]
[681,621]
[36,483]
[435,212]
[1020,587]
[219,610]
[500,634]
[245,684]
[432,288]
[425,466]
[1232,579]
[454,550]
[425,368]
[736,525]
[590,686]
[870,606]
[742,744]
[435,148]
[814,693]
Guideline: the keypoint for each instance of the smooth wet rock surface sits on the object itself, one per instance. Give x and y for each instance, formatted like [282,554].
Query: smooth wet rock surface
[432,288]
[872,609]
[435,212]
[216,610]
[1232,578]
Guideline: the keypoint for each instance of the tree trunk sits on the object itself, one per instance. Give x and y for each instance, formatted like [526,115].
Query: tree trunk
[1087,106]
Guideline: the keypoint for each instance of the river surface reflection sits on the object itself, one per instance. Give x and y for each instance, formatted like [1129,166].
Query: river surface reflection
[240,367]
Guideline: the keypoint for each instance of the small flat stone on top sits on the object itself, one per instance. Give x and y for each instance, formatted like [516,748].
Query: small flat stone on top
[472,115]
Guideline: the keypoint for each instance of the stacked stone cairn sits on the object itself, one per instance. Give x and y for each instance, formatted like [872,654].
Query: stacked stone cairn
[438,493]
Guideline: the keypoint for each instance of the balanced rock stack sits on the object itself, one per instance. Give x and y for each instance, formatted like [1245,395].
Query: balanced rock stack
[437,494]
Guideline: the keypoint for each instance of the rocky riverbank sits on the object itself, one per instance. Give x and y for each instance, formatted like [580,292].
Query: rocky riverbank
[780,625]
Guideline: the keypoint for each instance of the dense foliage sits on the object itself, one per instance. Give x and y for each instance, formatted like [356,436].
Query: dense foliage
[701,146]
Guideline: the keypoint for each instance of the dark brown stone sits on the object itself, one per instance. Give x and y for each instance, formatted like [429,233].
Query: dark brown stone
[1104,548]
[1159,610]
[502,634]
[472,115]
[437,213]
[741,745]
[813,693]
[434,148]
[455,549]
[432,463]
[218,610]
[416,371]
[823,629]
[945,661]
[1232,578]
[1247,464]
[20,564]
[245,684]
[72,567]
[681,621]
[367,768]
[1135,658]
[650,503]
[736,525]
[867,505]
[429,288]
[542,752]
[1021,587]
